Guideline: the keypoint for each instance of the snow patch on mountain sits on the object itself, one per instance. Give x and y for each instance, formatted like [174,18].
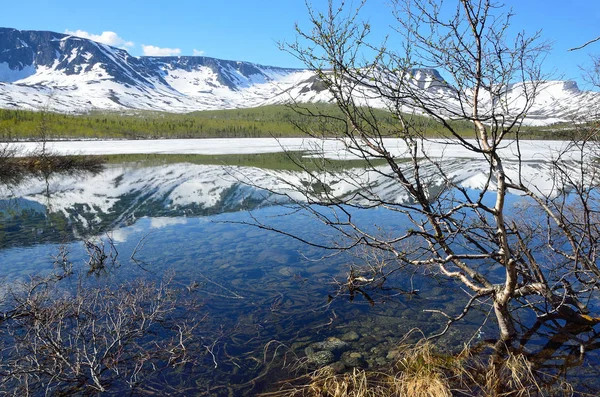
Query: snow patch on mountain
[64,73]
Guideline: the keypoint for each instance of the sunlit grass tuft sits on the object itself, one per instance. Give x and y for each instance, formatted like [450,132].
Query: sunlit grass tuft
[421,371]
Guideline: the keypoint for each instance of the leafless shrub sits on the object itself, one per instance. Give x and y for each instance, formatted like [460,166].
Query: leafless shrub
[62,263]
[94,340]
[101,255]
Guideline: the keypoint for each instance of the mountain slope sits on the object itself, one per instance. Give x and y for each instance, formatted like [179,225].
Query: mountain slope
[47,70]
[72,74]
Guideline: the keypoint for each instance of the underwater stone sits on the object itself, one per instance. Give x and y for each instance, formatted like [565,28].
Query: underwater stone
[270,255]
[320,358]
[350,336]
[338,367]
[286,271]
[334,345]
[381,361]
[299,345]
[393,354]
[319,268]
[353,360]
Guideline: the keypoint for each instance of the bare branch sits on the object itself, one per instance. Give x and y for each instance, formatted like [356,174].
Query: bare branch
[584,44]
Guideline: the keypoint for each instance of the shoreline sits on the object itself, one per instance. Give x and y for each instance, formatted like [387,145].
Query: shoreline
[528,150]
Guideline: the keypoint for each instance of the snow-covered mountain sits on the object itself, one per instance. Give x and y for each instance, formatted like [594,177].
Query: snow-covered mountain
[60,72]
[72,74]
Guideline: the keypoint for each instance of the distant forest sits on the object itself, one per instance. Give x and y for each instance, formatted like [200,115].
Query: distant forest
[264,121]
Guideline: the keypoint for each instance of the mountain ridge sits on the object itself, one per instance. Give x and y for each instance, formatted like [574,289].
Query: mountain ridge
[69,74]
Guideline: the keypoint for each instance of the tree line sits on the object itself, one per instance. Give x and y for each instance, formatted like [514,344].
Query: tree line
[264,121]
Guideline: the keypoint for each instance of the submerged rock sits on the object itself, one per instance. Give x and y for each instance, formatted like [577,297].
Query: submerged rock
[393,354]
[325,352]
[298,345]
[271,255]
[286,271]
[338,367]
[320,358]
[381,361]
[354,360]
[350,336]
[335,345]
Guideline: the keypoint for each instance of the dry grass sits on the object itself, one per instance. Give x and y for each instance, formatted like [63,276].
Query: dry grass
[506,374]
[422,372]
[514,377]
[418,373]
[325,382]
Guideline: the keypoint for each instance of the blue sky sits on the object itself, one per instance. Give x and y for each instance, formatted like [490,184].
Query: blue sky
[249,30]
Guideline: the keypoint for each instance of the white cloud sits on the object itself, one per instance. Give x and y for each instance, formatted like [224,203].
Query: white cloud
[198,53]
[110,38]
[154,51]
[160,222]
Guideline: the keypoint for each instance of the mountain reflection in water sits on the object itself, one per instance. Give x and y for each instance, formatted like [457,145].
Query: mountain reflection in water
[265,296]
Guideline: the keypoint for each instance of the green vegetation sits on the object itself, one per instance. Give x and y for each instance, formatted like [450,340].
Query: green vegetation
[291,161]
[264,121]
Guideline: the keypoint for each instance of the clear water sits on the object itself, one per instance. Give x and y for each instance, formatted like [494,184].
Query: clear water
[264,296]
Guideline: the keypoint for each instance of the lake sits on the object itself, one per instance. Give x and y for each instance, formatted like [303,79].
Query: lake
[260,299]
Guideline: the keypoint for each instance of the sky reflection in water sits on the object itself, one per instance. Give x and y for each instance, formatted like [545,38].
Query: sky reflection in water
[256,286]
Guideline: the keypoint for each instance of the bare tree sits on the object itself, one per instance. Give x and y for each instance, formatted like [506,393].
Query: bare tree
[541,257]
